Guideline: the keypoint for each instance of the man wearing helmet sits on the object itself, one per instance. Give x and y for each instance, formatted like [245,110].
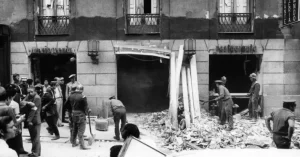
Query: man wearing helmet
[68,107]
[79,111]
[253,98]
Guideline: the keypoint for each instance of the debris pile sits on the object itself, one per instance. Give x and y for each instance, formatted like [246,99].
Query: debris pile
[207,133]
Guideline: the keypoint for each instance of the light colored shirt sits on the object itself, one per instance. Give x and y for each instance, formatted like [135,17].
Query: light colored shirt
[115,104]
[5,151]
[224,93]
[15,106]
[58,93]
[69,88]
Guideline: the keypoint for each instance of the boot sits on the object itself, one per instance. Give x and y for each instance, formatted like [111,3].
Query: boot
[82,145]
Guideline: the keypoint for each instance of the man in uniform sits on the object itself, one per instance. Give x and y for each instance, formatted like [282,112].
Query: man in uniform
[70,84]
[227,103]
[253,98]
[79,112]
[283,124]
[68,107]
[119,112]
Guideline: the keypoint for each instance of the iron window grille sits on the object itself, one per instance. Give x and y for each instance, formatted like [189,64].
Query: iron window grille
[53,25]
[143,23]
[235,22]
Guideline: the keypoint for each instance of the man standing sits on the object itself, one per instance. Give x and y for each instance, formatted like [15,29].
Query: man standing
[59,101]
[68,107]
[34,120]
[63,89]
[46,85]
[283,124]
[119,112]
[70,84]
[16,78]
[79,112]
[253,98]
[227,103]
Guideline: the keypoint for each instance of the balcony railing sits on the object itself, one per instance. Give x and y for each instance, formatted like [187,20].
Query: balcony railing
[53,25]
[143,23]
[235,22]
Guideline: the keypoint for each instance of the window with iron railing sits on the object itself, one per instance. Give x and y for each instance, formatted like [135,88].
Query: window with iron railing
[54,17]
[142,17]
[236,16]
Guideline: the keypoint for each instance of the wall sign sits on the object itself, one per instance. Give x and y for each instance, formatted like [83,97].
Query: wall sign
[236,49]
[55,51]
[290,11]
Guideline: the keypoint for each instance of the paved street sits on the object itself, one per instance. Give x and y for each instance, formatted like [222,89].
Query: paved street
[63,148]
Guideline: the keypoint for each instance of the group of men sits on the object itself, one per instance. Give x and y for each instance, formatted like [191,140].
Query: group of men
[283,119]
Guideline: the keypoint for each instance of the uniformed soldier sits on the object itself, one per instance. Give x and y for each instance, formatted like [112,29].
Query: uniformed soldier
[227,102]
[283,124]
[69,109]
[70,84]
[79,112]
[253,98]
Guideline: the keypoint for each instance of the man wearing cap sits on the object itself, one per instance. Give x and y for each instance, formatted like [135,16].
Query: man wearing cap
[283,124]
[253,98]
[79,111]
[70,84]
[68,107]
[227,103]
[119,112]
[59,101]
[220,103]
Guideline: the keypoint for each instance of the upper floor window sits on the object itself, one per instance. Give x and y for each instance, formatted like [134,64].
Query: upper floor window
[235,16]
[53,18]
[142,16]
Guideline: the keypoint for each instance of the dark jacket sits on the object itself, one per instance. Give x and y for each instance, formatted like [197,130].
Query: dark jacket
[48,102]
[34,116]
[63,90]
[77,102]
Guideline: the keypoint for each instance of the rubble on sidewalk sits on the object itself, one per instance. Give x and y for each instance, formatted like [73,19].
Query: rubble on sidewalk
[207,133]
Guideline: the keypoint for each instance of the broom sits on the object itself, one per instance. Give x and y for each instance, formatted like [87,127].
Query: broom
[91,139]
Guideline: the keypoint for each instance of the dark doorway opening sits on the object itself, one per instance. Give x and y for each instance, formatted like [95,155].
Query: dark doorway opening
[51,66]
[237,69]
[143,83]
[147,6]
[4,55]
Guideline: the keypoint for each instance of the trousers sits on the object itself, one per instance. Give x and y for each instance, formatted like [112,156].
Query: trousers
[52,121]
[119,115]
[79,123]
[281,142]
[16,143]
[227,112]
[253,106]
[59,107]
[34,132]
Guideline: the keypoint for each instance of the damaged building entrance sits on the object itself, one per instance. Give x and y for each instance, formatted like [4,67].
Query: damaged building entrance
[50,66]
[236,68]
[143,83]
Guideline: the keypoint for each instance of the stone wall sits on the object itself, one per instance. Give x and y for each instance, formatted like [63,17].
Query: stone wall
[279,75]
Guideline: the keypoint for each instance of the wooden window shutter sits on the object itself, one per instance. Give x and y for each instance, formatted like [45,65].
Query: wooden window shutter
[154,6]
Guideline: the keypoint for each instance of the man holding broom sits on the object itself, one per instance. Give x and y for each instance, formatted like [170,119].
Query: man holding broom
[79,111]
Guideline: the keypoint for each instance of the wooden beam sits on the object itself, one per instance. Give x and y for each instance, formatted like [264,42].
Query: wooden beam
[178,69]
[185,97]
[142,53]
[173,102]
[190,91]
[194,76]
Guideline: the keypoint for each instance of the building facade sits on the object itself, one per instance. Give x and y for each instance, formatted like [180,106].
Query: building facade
[233,38]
